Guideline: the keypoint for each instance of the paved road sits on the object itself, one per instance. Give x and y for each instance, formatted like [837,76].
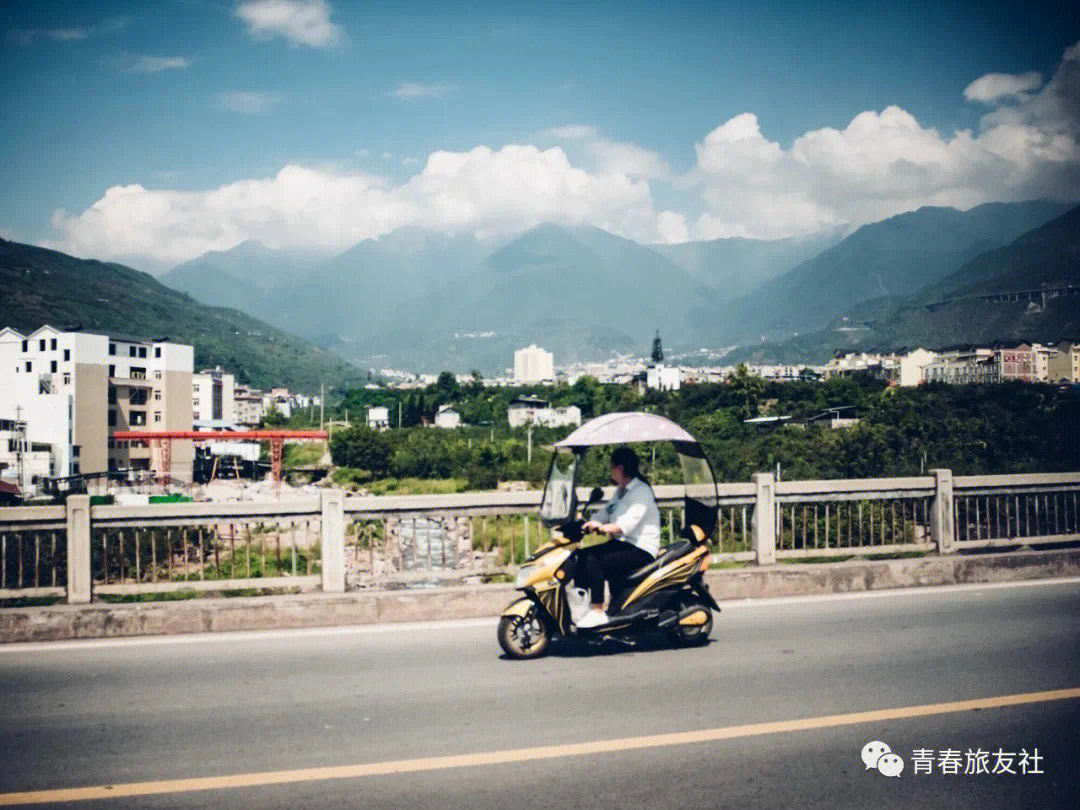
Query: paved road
[151,711]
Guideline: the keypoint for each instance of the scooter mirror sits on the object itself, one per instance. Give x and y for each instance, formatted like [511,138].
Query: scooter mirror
[595,496]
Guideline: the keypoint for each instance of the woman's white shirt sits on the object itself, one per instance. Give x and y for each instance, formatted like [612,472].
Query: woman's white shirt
[634,510]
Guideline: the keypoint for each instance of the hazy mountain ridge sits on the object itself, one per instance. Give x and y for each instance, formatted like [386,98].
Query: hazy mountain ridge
[425,300]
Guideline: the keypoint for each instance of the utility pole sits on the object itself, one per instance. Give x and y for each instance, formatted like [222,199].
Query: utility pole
[322,405]
[528,432]
[399,413]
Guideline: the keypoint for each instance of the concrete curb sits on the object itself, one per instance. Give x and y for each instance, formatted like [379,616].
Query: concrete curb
[102,620]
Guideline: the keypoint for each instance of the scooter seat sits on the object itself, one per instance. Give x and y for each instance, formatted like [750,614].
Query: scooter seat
[666,555]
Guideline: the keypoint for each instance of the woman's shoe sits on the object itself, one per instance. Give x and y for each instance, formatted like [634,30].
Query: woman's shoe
[594,618]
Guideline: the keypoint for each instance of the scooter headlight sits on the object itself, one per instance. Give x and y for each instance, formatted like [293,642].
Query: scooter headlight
[524,574]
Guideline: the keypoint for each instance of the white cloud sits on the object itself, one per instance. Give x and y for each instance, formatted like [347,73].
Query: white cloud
[155,64]
[884,163]
[996,86]
[247,102]
[410,161]
[413,91]
[483,191]
[27,36]
[300,22]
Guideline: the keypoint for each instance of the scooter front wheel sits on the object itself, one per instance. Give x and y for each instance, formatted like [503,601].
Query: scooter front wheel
[524,637]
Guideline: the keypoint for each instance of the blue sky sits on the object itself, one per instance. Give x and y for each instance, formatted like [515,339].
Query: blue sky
[175,101]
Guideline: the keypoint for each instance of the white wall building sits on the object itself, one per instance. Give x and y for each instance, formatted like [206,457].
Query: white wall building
[378,418]
[249,406]
[526,410]
[532,365]
[663,378]
[447,417]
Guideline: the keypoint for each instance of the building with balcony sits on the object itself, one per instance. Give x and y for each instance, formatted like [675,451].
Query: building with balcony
[73,389]
[213,398]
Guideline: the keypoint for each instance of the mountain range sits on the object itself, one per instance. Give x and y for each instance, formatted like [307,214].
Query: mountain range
[44,286]
[1026,290]
[426,301]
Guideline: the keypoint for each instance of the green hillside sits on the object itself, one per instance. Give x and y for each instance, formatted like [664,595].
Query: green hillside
[44,286]
[954,309]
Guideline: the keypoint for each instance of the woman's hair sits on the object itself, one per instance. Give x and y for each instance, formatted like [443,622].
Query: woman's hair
[626,458]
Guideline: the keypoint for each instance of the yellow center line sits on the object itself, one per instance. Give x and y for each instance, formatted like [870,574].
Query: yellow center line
[358,771]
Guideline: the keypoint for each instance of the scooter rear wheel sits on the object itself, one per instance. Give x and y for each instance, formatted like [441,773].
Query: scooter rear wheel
[524,637]
[692,635]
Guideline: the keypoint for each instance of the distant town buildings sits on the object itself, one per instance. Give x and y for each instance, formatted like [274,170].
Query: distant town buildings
[532,365]
[1016,361]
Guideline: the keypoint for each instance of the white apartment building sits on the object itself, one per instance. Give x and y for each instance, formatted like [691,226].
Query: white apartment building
[213,398]
[73,389]
[532,365]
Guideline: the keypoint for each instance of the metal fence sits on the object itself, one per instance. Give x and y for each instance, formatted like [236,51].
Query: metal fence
[332,542]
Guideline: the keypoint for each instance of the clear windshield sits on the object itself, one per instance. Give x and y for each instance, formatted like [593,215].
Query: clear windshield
[701,499]
[559,497]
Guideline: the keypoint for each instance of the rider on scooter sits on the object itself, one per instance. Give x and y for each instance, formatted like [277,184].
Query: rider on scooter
[632,519]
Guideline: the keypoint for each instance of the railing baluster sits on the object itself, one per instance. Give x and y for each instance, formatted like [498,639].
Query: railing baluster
[292,543]
[153,558]
[52,559]
[138,551]
[105,556]
[3,560]
[978,521]
[169,551]
[187,567]
[826,524]
[37,559]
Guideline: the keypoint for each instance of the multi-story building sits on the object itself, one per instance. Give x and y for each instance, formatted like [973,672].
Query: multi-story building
[1014,361]
[213,398]
[1064,366]
[1040,361]
[963,364]
[532,365]
[73,389]
[248,403]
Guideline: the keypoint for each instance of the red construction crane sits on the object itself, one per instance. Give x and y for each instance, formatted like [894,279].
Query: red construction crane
[163,440]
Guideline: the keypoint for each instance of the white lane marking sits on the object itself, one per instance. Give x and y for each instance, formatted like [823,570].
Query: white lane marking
[490,622]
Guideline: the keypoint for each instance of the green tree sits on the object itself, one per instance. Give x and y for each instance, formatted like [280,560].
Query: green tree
[362,448]
[657,349]
[274,418]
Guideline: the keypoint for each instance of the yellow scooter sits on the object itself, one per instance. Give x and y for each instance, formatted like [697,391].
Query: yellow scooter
[668,594]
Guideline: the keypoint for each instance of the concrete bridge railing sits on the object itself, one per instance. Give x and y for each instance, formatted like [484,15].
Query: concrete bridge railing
[332,543]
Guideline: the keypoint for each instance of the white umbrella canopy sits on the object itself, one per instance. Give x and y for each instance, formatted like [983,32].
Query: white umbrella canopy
[626,428]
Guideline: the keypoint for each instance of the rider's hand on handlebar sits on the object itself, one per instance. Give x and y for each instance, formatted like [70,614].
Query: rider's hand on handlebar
[591,526]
